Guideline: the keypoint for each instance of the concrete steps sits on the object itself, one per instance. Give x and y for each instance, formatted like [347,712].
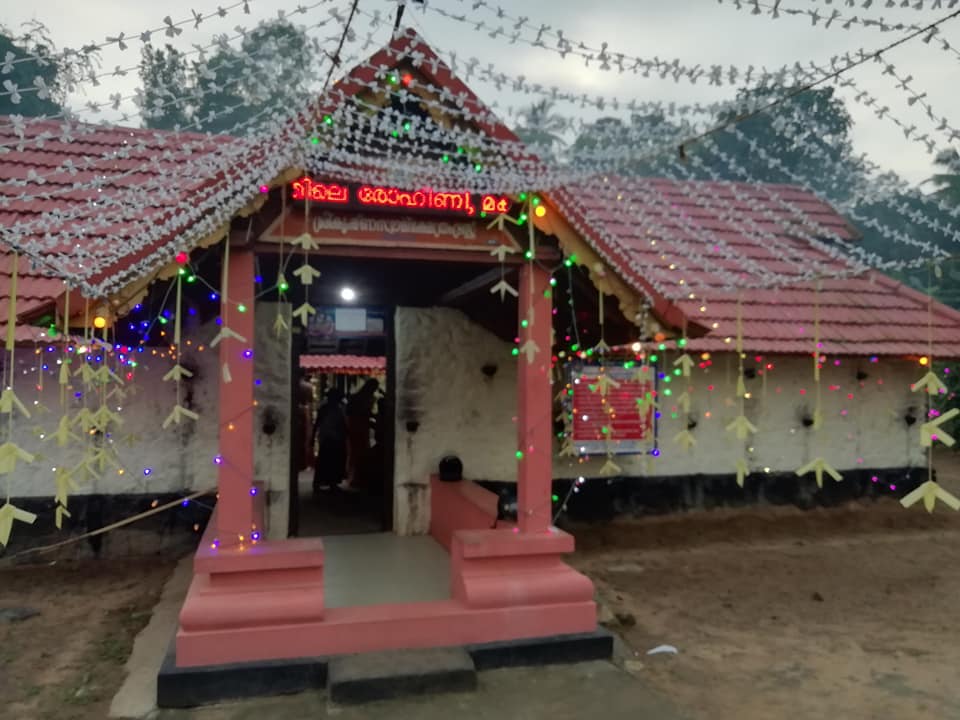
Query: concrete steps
[398,673]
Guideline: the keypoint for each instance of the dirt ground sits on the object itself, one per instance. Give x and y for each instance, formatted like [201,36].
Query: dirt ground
[780,613]
[775,613]
[67,662]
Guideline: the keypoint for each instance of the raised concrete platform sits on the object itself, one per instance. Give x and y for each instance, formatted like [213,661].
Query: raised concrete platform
[399,673]
[202,685]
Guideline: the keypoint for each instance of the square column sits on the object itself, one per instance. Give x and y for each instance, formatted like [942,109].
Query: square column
[535,401]
[235,472]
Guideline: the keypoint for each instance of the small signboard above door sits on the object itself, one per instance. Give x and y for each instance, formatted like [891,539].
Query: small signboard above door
[379,197]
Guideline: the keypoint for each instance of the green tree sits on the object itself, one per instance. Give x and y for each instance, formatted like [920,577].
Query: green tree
[541,128]
[166,92]
[234,90]
[271,72]
[634,148]
[948,182]
[808,134]
[34,76]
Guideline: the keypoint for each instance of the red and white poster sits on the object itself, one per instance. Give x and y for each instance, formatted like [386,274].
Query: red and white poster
[615,421]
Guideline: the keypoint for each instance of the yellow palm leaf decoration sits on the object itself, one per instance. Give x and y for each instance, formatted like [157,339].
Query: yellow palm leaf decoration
[930,492]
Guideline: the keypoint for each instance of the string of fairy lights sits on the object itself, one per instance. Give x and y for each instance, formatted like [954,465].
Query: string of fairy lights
[357,138]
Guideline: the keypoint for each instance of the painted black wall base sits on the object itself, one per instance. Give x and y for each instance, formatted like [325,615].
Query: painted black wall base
[207,684]
[180,526]
[193,686]
[602,499]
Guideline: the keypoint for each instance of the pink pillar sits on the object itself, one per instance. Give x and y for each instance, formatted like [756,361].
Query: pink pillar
[235,472]
[535,406]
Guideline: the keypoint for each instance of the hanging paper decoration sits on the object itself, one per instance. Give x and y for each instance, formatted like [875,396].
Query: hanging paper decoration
[65,483]
[304,312]
[63,435]
[930,383]
[610,467]
[742,471]
[605,383]
[503,287]
[930,491]
[685,439]
[818,467]
[685,362]
[10,452]
[931,430]
[177,373]
[225,332]
[9,513]
[306,274]
[741,427]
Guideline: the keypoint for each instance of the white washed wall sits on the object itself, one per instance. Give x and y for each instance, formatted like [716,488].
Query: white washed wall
[271,452]
[178,458]
[440,385]
[866,431]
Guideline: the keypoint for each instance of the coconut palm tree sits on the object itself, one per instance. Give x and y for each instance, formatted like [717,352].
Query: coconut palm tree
[541,128]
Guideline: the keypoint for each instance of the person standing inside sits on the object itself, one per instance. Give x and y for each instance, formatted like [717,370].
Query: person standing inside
[359,410]
[330,432]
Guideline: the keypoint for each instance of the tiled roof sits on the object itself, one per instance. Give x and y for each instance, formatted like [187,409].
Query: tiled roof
[657,232]
[53,163]
[345,364]
[669,239]
[105,189]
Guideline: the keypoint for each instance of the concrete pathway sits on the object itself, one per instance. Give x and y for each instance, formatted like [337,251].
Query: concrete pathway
[138,694]
[560,692]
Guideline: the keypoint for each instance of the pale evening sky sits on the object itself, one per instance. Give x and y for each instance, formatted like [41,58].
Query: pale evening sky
[696,31]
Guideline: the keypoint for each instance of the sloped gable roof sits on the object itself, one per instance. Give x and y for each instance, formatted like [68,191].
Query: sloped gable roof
[655,232]
[688,243]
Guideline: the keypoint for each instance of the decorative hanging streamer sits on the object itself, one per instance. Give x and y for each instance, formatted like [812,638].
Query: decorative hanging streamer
[685,362]
[225,332]
[9,513]
[931,491]
[685,439]
[307,242]
[605,383]
[742,471]
[10,452]
[741,427]
[12,308]
[178,372]
[818,408]
[64,375]
[503,287]
[818,466]
[601,347]
[65,483]
[610,467]
[280,324]
[530,348]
